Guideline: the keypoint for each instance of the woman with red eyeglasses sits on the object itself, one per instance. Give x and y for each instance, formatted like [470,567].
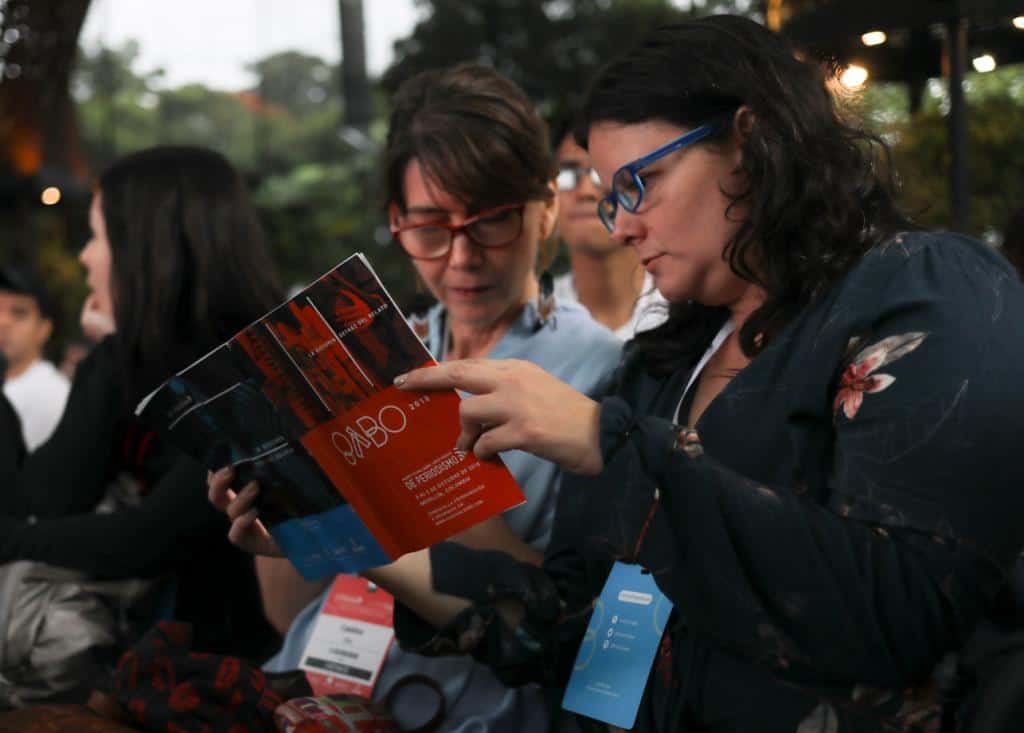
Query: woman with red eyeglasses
[469,180]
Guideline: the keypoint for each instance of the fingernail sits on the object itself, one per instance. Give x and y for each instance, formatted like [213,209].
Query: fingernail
[401,379]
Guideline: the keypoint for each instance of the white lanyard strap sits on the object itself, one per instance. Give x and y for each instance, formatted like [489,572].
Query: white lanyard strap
[716,343]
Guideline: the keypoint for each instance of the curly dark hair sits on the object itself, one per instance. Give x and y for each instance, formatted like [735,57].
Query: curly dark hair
[475,133]
[819,189]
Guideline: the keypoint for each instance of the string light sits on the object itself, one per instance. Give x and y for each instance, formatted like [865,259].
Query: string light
[984,63]
[873,38]
[853,76]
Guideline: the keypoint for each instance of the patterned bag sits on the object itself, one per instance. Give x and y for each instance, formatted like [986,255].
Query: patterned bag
[162,685]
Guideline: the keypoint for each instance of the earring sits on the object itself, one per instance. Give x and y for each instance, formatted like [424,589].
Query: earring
[546,281]
[546,301]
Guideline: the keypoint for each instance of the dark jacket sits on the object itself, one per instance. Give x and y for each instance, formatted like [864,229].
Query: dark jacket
[46,514]
[851,509]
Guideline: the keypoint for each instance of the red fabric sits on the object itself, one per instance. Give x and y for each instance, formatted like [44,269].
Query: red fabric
[167,687]
[333,714]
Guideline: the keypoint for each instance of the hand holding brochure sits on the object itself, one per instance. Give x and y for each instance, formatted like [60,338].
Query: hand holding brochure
[353,472]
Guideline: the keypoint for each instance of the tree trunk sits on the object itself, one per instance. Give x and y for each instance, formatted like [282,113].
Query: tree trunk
[355,85]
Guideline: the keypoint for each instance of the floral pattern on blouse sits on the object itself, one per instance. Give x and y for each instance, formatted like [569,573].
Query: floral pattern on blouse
[859,377]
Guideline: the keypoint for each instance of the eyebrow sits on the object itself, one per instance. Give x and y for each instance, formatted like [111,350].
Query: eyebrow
[19,301]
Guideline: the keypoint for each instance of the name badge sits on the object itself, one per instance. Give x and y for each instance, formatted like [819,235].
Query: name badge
[350,638]
[618,649]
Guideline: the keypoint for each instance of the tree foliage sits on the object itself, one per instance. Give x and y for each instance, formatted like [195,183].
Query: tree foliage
[316,191]
[921,149]
[316,182]
[550,47]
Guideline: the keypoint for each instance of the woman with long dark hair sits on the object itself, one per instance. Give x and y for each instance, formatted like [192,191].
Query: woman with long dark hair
[176,264]
[814,457]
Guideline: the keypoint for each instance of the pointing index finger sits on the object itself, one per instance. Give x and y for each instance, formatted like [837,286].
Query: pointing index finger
[469,375]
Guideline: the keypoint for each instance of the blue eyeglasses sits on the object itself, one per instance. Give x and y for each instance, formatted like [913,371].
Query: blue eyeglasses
[627,185]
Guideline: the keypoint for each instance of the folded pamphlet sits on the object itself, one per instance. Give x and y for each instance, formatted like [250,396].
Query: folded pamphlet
[353,472]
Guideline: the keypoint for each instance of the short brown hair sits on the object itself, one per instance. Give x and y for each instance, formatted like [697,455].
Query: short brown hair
[475,133]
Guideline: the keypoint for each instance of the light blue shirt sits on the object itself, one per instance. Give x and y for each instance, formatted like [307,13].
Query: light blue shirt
[582,353]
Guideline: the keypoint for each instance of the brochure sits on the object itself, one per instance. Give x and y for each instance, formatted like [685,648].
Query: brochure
[353,472]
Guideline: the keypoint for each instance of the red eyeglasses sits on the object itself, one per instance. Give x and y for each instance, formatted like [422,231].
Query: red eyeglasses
[432,240]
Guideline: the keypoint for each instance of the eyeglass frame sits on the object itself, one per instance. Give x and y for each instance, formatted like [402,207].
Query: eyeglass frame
[578,173]
[614,200]
[454,229]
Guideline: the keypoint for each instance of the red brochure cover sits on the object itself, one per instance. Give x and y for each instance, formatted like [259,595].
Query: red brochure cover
[353,471]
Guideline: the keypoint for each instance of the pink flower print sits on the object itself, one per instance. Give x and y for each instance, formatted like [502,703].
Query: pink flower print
[860,377]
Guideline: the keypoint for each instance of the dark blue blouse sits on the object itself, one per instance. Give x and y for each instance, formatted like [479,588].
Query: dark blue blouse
[844,515]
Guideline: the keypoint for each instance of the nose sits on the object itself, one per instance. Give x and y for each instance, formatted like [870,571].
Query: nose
[83,256]
[465,253]
[586,189]
[629,228]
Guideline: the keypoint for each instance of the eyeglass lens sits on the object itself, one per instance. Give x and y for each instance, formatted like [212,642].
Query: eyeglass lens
[492,230]
[626,188]
[570,175]
[606,209]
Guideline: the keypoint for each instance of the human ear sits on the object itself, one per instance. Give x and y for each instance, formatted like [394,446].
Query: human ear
[43,332]
[743,121]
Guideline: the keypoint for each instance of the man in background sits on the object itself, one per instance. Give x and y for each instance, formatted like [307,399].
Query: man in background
[35,388]
[605,278]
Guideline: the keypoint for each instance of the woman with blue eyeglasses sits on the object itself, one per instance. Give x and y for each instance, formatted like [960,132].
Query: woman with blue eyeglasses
[802,492]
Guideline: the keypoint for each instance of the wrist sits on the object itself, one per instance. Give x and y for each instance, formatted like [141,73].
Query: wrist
[616,425]
[593,458]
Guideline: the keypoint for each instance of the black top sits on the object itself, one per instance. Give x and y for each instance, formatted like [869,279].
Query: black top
[850,511]
[47,503]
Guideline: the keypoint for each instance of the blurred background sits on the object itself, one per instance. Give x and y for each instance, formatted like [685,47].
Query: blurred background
[296,95]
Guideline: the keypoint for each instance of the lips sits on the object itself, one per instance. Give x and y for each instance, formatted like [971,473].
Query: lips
[468,291]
